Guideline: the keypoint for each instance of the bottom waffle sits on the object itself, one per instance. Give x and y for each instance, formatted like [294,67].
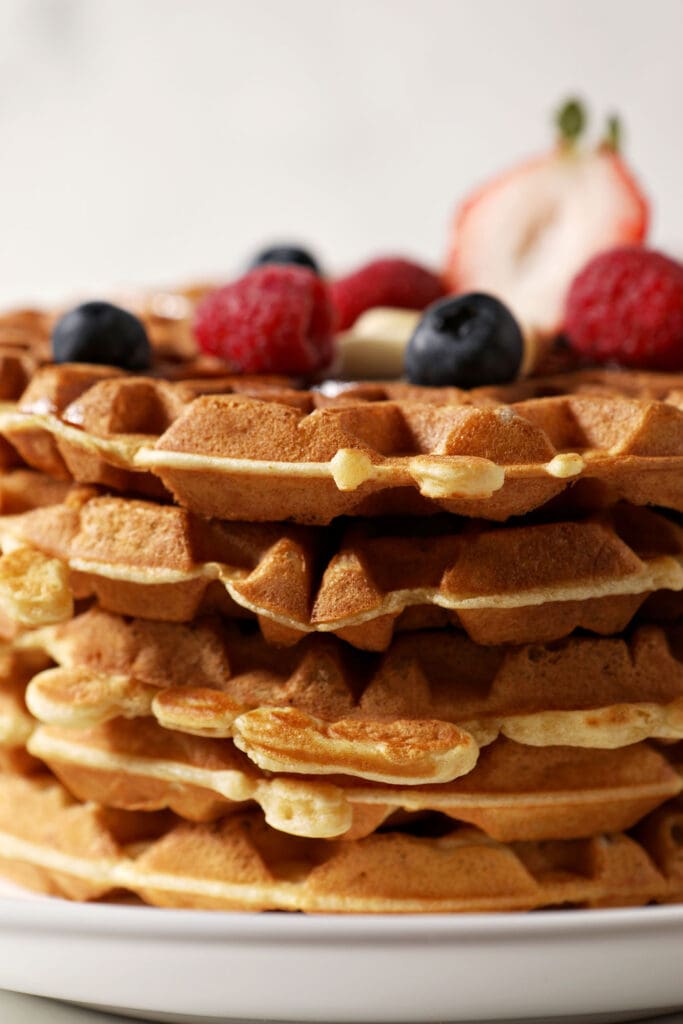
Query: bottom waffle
[54,844]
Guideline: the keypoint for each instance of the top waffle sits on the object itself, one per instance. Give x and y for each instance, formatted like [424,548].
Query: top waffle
[251,449]
[25,347]
[25,336]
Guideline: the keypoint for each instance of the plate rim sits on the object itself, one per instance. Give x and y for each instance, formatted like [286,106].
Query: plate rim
[596,942]
[49,914]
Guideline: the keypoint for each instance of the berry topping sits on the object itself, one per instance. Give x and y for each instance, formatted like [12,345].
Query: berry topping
[465,341]
[275,319]
[385,282]
[626,305]
[526,234]
[287,254]
[98,332]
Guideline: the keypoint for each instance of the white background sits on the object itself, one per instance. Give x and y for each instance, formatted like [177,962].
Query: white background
[153,141]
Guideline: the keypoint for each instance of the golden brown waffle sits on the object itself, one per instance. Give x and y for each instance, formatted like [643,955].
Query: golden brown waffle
[146,404]
[322,777]
[29,587]
[25,345]
[17,761]
[513,793]
[521,584]
[16,670]
[16,723]
[417,714]
[16,369]
[166,315]
[82,851]
[24,489]
[278,454]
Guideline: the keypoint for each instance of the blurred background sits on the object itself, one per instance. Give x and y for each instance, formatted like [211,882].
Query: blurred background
[160,141]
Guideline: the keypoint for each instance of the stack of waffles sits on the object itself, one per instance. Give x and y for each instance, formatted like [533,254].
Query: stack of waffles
[358,648]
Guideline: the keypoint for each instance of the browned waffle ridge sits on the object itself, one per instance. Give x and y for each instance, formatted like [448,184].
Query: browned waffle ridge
[513,793]
[165,313]
[50,842]
[269,454]
[525,583]
[16,670]
[418,714]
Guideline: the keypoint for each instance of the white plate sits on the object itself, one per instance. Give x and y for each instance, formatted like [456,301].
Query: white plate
[193,965]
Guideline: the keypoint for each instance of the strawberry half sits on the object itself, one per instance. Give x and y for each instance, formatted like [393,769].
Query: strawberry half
[525,235]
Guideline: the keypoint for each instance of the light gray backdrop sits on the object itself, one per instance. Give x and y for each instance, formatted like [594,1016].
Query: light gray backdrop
[158,140]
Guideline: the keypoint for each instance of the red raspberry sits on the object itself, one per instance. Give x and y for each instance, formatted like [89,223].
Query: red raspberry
[626,305]
[385,282]
[275,319]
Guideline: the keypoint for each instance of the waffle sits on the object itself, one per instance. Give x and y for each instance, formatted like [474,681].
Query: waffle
[416,715]
[25,343]
[17,761]
[527,583]
[272,453]
[22,490]
[177,721]
[16,670]
[52,843]
[513,793]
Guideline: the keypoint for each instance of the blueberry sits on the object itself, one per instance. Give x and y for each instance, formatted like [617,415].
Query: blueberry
[285,254]
[465,341]
[98,332]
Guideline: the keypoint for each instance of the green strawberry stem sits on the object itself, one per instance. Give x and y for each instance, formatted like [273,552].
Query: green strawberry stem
[613,134]
[570,121]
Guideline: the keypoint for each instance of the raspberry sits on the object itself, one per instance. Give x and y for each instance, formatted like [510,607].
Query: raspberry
[385,282]
[626,305]
[275,319]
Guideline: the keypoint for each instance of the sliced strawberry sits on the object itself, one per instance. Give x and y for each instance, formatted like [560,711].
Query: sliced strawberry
[525,235]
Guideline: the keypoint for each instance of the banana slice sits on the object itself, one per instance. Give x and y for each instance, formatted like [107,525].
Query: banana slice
[375,345]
